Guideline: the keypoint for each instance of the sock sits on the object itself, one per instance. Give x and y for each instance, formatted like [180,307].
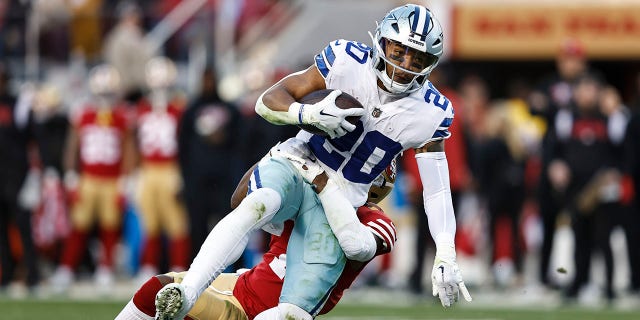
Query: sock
[109,240]
[179,253]
[151,251]
[228,239]
[144,298]
[74,249]
[131,312]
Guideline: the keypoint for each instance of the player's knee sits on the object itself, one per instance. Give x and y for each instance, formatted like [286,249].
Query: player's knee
[291,311]
[262,204]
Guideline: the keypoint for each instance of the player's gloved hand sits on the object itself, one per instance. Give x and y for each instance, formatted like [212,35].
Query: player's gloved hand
[292,148]
[328,117]
[298,153]
[446,277]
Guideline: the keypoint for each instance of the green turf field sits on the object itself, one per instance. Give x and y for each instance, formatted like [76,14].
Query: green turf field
[71,310]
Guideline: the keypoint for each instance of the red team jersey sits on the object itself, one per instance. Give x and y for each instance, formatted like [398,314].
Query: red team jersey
[259,288]
[158,132]
[101,134]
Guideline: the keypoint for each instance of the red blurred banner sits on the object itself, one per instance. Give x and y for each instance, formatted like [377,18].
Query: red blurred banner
[490,31]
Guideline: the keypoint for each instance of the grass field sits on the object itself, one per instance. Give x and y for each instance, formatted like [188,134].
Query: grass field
[72,310]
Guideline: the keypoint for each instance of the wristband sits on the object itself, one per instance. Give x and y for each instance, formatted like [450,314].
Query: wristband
[300,113]
[295,111]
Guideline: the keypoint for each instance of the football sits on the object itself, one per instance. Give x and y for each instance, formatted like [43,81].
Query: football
[343,101]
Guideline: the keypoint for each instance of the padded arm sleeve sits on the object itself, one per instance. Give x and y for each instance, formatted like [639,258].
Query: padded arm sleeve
[292,116]
[434,174]
[356,240]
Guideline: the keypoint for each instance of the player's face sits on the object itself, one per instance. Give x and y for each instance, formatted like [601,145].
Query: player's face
[407,59]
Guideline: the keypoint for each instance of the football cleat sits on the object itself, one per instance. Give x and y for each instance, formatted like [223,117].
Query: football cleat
[171,302]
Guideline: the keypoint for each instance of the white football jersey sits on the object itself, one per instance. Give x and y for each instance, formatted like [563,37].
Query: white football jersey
[388,127]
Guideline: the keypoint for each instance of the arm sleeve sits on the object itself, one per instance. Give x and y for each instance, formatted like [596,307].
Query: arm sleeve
[292,116]
[356,240]
[434,174]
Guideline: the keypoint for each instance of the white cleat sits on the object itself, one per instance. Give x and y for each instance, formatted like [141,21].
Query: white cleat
[171,302]
[61,279]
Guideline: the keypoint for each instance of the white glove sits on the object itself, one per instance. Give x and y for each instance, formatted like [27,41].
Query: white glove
[327,116]
[447,279]
[297,152]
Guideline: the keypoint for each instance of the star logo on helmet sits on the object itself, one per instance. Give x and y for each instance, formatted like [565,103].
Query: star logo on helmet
[391,17]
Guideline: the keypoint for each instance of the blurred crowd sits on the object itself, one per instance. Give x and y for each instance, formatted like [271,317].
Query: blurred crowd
[122,167]
[563,151]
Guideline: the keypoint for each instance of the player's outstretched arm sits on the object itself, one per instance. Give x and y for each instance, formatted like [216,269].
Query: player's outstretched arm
[278,104]
[434,173]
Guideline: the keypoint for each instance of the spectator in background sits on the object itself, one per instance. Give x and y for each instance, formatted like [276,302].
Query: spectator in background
[14,164]
[50,128]
[209,162]
[632,157]
[160,184]
[260,134]
[85,27]
[474,100]
[13,18]
[582,165]
[554,94]
[500,179]
[98,154]
[126,49]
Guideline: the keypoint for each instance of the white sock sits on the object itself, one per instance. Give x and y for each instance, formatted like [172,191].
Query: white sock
[131,312]
[228,239]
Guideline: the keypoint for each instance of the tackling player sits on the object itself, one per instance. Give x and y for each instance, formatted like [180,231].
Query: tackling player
[402,110]
[246,294]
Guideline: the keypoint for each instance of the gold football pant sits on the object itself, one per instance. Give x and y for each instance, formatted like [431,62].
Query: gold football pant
[158,201]
[97,198]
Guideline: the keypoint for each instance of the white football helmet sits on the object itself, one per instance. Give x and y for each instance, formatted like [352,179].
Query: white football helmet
[160,73]
[409,40]
[104,80]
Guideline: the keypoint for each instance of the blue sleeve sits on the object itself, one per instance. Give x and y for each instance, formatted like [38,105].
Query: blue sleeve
[442,132]
[324,60]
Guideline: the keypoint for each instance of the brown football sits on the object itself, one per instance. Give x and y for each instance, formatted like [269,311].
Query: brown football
[343,101]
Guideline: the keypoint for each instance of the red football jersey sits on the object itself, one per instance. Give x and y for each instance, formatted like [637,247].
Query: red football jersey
[158,132]
[101,133]
[259,288]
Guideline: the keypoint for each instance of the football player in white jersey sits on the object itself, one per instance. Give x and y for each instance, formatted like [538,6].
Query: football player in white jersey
[402,110]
